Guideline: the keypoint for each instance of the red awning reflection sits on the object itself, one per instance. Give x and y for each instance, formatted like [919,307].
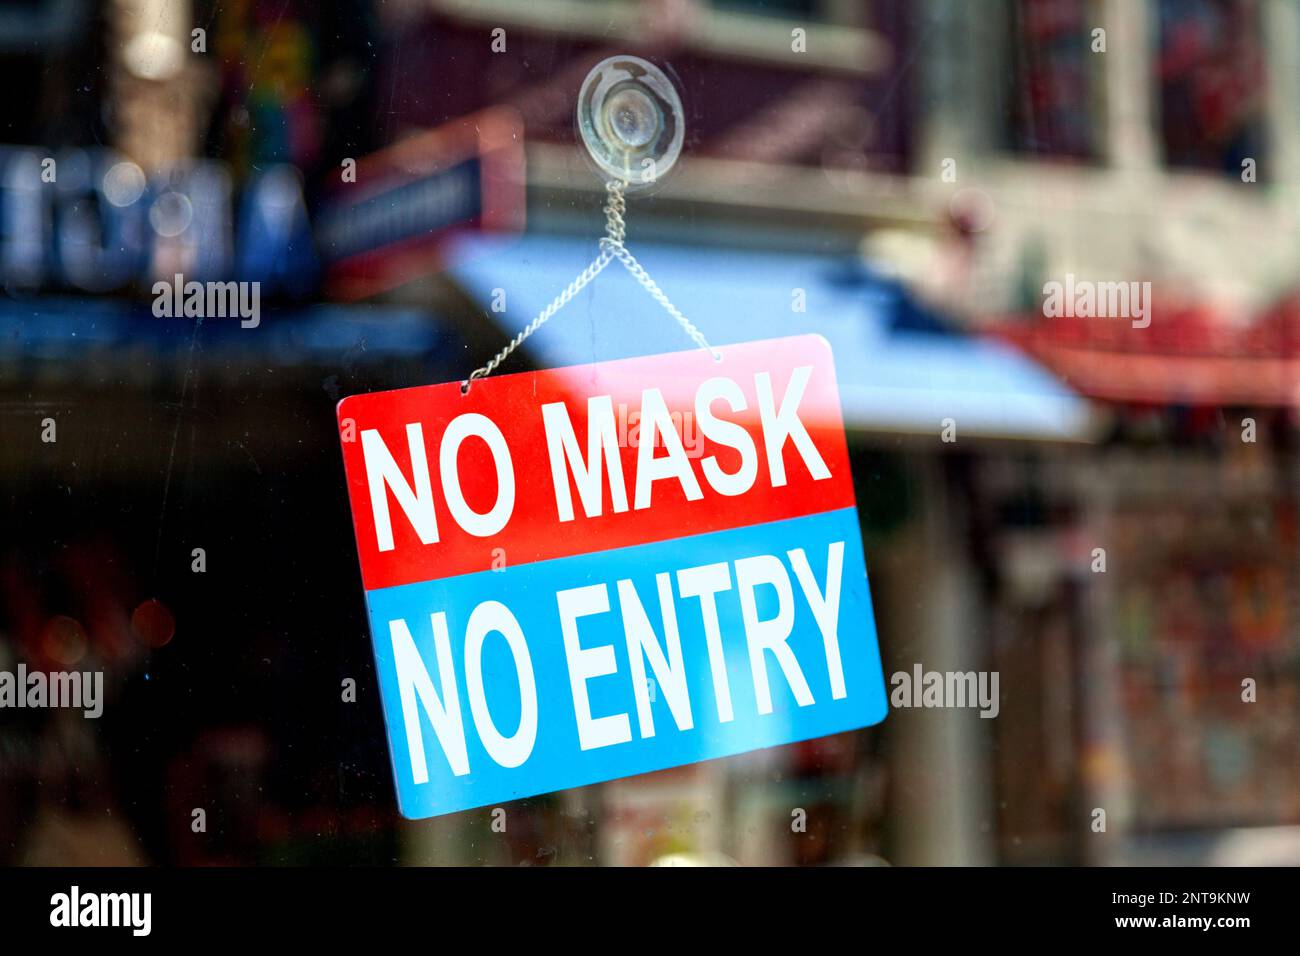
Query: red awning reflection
[1189,355]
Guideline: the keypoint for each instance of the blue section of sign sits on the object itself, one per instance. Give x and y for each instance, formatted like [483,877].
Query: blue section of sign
[426,205]
[556,759]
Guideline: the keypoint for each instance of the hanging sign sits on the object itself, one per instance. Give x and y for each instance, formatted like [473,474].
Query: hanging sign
[585,573]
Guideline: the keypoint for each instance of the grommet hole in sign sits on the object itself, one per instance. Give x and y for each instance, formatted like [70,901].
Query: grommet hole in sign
[629,114]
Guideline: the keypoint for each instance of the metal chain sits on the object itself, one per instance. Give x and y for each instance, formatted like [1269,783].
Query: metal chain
[615,207]
[620,251]
[611,248]
[597,266]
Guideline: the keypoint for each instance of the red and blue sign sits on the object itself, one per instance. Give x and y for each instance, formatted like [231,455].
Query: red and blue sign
[585,573]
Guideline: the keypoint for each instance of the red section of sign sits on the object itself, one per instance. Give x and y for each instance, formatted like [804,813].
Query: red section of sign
[534,531]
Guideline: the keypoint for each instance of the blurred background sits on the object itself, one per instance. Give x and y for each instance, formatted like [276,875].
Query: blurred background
[901,176]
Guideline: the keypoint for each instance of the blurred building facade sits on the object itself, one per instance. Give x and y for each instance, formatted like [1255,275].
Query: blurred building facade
[919,171]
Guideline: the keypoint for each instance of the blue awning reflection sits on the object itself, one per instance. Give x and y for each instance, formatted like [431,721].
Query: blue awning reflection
[68,327]
[899,369]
